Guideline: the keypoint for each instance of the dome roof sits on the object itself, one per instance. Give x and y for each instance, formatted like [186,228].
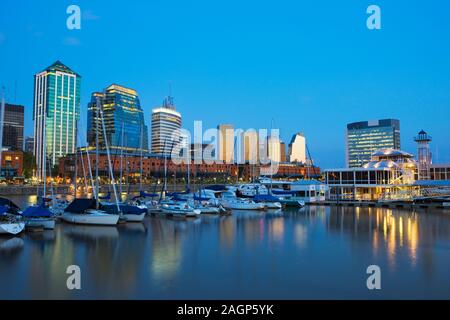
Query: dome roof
[380,164]
[391,152]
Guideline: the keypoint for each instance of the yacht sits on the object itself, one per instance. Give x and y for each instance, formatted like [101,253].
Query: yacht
[38,216]
[179,209]
[9,223]
[83,211]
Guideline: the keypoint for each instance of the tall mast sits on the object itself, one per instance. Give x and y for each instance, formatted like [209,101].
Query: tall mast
[2,118]
[141,169]
[44,156]
[165,166]
[96,149]
[111,173]
[121,161]
[76,165]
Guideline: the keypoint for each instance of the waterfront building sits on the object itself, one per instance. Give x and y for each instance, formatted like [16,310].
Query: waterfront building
[365,137]
[226,143]
[297,148]
[423,155]
[389,174]
[11,166]
[29,144]
[13,127]
[166,126]
[153,166]
[123,118]
[283,157]
[440,171]
[55,114]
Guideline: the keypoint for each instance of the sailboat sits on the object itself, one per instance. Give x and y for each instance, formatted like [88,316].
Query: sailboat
[86,211]
[9,223]
[83,211]
[38,216]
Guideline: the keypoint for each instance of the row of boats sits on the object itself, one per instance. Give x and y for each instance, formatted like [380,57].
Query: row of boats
[209,200]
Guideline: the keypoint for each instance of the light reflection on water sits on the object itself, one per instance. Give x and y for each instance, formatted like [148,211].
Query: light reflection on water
[315,252]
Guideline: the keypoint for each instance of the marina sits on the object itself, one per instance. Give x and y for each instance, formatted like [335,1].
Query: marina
[314,252]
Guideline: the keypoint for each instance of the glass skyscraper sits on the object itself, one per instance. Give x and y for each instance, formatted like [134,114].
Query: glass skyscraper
[166,126]
[366,137]
[56,112]
[123,118]
[13,127]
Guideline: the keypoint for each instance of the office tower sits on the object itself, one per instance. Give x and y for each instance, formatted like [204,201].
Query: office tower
[423,155]
[366,137]
[251,146]
[123,118]
[29,144]
[273,149]
[166,126]
[226,143]
[13,127]
[56,112]
[297,148]
[282,152]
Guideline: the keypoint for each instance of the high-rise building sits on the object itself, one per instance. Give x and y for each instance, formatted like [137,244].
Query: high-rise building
[13,127]
[251,146]
[166,126]
[297,148]
[56,112]
[273,149]
[29,144]
[366,137]
[123,118]
[283,157]
[226,143]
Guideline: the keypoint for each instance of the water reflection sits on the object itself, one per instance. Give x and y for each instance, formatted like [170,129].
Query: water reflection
[274,254]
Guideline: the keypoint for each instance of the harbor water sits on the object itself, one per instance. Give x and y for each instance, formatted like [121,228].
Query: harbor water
[317,252]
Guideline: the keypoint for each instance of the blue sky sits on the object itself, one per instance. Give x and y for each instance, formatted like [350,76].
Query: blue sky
[311,66]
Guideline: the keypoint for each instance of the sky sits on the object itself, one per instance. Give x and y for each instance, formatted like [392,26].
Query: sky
[300,66]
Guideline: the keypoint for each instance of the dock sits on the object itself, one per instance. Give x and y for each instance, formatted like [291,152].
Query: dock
[391,205]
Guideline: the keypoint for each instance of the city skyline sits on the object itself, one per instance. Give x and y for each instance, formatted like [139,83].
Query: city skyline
[302,89]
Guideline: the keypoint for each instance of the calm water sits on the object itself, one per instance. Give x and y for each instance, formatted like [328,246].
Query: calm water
[314,252]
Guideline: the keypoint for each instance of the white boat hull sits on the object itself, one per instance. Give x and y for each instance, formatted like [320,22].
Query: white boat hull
[12,228]
[46,223]
[272,205]
[243,206]
[134,217]
[209,210]
[180,212]
[95,217]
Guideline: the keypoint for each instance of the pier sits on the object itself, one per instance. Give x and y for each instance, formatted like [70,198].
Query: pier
[391,205]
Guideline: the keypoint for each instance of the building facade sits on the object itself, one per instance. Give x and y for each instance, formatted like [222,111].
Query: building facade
[226,143]
[11,165]
[29,144]
[123,118]
[13,127]
[364,138]
[389,175]
[283,157]
[56,113]
[297,148]
[166,127]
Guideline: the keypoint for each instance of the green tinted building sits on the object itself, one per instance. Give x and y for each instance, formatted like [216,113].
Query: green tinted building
[55,113]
